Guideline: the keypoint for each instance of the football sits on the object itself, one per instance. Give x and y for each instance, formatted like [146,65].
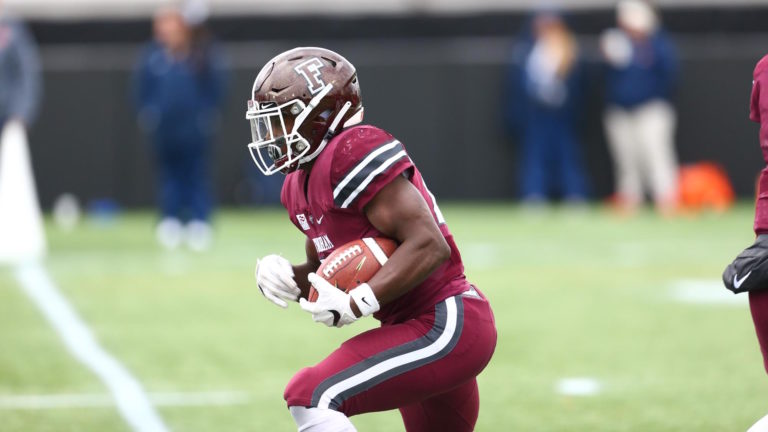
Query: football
[354,263]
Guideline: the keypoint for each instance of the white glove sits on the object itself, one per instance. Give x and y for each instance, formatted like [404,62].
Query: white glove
[332,305]
[274,277]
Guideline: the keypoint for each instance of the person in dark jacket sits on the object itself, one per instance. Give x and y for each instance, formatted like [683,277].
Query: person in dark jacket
[22,237]
[179,89]
[640,120]
[20,75]
[544,95]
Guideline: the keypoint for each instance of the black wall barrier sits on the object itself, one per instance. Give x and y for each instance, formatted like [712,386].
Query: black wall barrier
[441,95]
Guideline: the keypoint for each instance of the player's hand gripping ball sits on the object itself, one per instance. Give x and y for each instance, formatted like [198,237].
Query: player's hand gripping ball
[342,277]
[354,263]
[332,307]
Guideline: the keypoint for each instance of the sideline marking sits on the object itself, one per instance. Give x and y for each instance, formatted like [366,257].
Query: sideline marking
[578,386]
[707,292]
[99,400]
[128,395]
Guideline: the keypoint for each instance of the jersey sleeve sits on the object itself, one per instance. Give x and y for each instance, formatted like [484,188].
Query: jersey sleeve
[363,163]
[759,99]
[754,106]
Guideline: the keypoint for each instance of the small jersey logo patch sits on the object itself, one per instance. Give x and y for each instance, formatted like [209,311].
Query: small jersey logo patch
[302,221]
[322,243]
[310,70]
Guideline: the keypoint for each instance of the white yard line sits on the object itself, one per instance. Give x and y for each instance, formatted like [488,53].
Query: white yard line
[130,398]
[578,386]
[706,292]
[96,400]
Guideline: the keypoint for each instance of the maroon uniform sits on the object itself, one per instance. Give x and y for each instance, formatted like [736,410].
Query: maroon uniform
[354,166]
[758,300]
[435,338]
[305,116]
[759,113]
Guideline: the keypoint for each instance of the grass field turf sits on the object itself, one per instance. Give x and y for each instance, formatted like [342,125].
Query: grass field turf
[575,294]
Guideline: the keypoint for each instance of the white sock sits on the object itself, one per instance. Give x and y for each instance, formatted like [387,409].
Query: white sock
[199,235]
[169,232]
[760,426]
[320,420]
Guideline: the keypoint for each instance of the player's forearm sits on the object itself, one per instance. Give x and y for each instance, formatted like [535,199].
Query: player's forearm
[413,261]
[300,273]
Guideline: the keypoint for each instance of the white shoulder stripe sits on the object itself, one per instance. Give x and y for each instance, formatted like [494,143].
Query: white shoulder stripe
[441,342]
[372,175]
[362,165]
[381,257]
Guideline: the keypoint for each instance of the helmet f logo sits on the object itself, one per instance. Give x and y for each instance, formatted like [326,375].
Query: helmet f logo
[310,70]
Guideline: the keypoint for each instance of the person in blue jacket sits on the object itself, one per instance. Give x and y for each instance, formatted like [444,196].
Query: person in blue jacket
[641,72]
[179,90]
[20,72]
[544,89]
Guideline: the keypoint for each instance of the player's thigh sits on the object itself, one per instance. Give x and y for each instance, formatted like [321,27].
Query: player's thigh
[435,363]
[452,411]
[309,384]
[402,364]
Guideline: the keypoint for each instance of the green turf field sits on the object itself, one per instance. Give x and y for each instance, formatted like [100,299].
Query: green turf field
[582,294]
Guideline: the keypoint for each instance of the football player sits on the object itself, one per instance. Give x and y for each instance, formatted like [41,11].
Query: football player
[749,271]
[346,181]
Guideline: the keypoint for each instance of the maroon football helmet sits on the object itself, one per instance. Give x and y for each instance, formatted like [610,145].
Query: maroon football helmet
[300,98]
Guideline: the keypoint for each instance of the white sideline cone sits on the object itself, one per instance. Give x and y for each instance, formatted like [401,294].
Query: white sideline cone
[22,237]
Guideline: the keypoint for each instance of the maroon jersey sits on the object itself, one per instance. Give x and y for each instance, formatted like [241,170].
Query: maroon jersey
[759,113]
[328,208]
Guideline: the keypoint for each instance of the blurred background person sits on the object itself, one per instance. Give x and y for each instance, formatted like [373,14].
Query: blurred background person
[179,90]
[639,118]
[21,229]
[543,104]
[20,81]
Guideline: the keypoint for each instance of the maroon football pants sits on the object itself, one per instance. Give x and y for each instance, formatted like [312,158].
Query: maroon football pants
[758,305]
[426,367]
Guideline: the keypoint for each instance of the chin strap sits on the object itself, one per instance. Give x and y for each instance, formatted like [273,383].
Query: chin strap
[310,106]
[329,134]
[355,119]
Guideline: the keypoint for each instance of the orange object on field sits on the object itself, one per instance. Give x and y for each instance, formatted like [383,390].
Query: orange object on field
[705,185]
